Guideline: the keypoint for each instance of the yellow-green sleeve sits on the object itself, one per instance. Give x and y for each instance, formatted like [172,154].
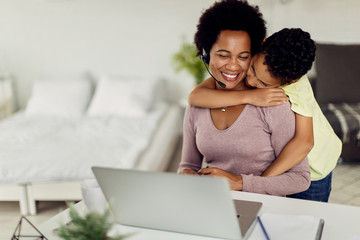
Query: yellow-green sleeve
[301,97]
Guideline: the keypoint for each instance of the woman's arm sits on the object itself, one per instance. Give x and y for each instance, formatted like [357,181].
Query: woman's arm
[296,150]
[206,95]
[235,181]
[284,184]
[191,158]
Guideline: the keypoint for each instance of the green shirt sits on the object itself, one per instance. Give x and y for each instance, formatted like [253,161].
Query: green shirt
[327,146]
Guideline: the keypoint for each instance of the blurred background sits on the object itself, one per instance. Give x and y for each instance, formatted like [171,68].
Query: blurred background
[77,37]
[91,38]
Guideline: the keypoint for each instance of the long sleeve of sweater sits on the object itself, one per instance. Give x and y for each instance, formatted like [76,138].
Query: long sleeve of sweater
[191,156]
[246,148]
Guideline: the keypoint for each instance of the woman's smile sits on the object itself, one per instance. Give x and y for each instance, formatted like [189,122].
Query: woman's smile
[230,76]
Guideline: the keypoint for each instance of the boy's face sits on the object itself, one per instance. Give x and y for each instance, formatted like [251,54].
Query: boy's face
[258,75]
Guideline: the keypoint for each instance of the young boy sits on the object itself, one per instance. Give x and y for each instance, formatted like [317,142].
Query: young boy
[282,61]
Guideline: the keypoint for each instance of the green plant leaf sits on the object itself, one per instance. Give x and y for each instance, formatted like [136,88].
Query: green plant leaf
[186,59]
[92,226]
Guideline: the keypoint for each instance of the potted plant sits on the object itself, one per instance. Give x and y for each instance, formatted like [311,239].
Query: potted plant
[186,59]
[92,226]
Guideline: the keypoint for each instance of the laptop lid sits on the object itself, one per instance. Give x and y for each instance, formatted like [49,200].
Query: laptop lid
[168,201]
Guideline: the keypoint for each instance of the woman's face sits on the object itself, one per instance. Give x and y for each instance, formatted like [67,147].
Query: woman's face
[258,75]
[230,58]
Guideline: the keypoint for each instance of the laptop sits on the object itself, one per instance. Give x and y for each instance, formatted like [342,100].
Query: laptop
[188,204]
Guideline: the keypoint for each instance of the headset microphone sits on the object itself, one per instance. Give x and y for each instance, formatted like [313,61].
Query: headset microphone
[223,85]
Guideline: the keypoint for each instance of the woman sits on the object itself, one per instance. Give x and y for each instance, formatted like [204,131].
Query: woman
[238,142]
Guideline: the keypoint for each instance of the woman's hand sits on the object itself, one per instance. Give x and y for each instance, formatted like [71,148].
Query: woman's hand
[188,171]
[265,97]
[235,181]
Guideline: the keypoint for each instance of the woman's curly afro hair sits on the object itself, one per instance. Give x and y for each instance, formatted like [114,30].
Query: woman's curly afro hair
[229,15]
[289,54]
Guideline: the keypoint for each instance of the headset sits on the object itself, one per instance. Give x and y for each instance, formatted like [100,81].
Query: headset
[206,59]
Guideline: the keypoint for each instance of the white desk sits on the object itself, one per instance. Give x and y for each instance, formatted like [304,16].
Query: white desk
[341,221]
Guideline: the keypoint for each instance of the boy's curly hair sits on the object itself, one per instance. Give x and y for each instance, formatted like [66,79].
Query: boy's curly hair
[289,54]
[229,15]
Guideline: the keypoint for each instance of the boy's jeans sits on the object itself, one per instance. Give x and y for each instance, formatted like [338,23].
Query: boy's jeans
[318,190]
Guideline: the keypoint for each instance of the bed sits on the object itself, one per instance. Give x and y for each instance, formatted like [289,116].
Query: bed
[49,148]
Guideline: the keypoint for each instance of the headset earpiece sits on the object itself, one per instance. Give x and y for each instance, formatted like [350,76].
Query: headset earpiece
[206,60]
[205,57]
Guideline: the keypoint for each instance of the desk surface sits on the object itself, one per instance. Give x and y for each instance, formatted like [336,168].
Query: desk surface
[341,221]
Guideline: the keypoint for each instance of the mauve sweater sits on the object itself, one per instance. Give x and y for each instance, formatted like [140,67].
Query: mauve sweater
[246,148]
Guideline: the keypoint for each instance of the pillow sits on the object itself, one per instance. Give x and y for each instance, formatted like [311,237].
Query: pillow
[59,97]
[122,96]
[338,73]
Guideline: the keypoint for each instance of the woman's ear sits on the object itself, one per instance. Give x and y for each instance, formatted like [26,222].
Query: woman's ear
[264,40]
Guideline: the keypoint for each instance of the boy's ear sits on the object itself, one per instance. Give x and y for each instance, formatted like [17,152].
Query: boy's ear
[291,82]
[264,40]
[294,81]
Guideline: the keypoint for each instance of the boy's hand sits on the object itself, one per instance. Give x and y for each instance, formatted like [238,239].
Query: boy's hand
[265,97]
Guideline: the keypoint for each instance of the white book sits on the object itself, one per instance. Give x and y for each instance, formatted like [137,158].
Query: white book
[287,226]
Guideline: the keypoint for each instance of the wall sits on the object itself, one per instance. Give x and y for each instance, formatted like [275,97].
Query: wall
[73,37]
[326,20]
[76,37]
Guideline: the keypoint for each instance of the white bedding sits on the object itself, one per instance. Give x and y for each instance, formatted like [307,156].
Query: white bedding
[34,149]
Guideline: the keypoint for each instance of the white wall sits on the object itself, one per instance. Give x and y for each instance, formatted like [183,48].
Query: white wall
[326,20]
[74,37]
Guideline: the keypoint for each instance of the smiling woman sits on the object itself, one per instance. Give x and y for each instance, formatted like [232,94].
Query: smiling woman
[239,143]
[230,58]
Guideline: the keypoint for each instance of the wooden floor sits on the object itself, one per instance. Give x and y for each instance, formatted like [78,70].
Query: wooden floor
[345,190]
